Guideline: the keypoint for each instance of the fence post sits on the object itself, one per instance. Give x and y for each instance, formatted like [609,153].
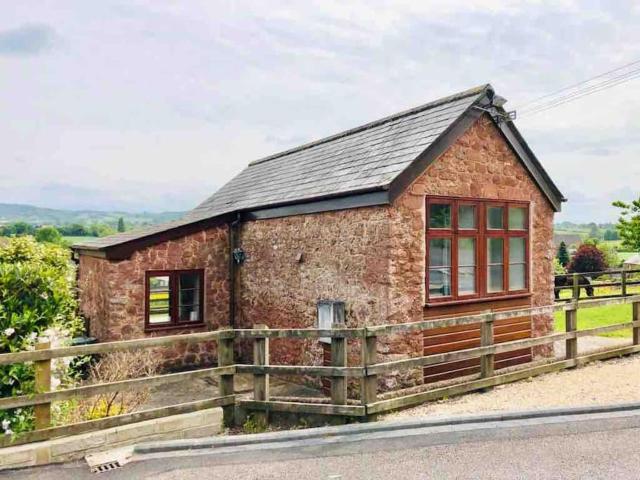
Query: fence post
[338,359]
[571,324]
[369,385]
[623,282]
[636,317]
[576,287]
[42,412]
[225,358]
[261,358]
[486,339]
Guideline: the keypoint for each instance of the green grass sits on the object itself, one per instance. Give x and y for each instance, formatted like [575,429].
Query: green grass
[599,317]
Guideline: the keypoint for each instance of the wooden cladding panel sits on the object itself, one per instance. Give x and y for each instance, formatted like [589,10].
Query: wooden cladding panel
[451,339]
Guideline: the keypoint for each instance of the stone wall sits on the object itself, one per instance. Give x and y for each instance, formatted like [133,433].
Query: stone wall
[293,262]
[112,292]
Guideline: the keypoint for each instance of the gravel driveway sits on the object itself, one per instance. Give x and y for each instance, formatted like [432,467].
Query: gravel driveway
[607,382]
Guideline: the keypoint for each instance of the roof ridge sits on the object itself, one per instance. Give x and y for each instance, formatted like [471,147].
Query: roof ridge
[456,96]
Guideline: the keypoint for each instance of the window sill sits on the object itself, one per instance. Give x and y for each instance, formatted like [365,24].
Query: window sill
[179,326]
[445,303]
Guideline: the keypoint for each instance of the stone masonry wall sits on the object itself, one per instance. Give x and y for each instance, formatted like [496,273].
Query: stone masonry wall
[293,262]
[118,311]
[479,165]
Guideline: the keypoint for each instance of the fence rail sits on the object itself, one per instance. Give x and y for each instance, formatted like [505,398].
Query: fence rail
[576,282]
[367,371]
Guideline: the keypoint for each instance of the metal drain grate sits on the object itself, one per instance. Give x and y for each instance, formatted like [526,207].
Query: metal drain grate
[105,467]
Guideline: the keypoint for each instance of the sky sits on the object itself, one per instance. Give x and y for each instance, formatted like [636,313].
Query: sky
[148,105]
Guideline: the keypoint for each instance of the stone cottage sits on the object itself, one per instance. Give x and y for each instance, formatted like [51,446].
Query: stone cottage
[435,211]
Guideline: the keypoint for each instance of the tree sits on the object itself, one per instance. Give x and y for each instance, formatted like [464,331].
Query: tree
[48,234]
[611,235]
[121,224]
[594,231]
[628,225]
[563,254]
[101,230]
[588,258]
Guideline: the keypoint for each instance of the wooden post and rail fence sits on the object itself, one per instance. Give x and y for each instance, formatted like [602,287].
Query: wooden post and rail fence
[367,372]
[576,283]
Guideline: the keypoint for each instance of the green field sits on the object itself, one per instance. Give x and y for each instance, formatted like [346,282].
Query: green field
[599,317]
[72,240]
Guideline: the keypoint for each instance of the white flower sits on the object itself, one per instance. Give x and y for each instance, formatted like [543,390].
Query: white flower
[9,331]
[33,336]
[44,295]
[8,432]
[6,424]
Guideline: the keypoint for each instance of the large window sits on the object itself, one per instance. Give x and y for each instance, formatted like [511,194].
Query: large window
[174,298]
[476,248]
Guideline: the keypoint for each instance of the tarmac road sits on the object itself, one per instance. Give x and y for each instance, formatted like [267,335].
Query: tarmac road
[601,446]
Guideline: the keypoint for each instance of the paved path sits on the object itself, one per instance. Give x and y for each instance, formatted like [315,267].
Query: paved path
[599,383]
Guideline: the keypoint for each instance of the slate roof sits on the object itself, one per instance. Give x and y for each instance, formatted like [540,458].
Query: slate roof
[363,159]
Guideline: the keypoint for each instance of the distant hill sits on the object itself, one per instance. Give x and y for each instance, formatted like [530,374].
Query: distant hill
[10,212]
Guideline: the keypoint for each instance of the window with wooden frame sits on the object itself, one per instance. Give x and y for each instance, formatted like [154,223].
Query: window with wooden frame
[174,298]
[476,249]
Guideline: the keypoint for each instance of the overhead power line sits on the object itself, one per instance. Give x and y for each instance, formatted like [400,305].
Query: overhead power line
[581,89]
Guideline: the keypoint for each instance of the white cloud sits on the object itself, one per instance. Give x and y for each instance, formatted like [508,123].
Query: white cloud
[133,96]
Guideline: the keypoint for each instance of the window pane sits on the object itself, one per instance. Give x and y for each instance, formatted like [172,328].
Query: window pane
[495,218]
[466,252]
[516,277]
[439,215]
[440,252]
[466,216]
[189,284]
[439,282]
[159,300]
[517,217]
[466,280]
[190,313]
[516,250]
[494,278]
[494,250]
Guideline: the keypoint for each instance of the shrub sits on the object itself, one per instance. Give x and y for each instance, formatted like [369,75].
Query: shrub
[558,269]
[36,298]
[588,258]
[112,367]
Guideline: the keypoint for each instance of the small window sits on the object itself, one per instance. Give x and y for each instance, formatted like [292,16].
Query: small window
[439,267]
[439,215]
[467,217]
[495,218]
[174,298]
[517,218]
